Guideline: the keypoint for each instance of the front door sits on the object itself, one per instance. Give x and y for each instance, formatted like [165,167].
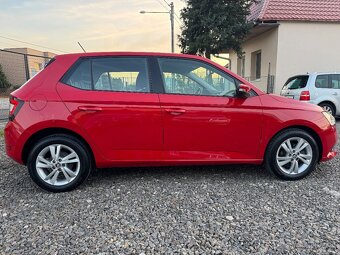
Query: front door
[110,99]
[203,119]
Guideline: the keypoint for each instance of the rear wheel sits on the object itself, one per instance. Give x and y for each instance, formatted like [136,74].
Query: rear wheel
[328,108]
[59,163]
[292,154]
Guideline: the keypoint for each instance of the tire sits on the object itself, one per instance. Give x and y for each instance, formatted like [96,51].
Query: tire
[281,162]
[328,107]
[73,167]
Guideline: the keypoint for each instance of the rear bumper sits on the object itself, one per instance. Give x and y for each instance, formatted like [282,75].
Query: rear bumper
[13,141]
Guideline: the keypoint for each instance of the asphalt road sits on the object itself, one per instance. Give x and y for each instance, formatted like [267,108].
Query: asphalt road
[185,210]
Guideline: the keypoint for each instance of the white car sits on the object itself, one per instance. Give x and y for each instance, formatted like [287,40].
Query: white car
[322,89]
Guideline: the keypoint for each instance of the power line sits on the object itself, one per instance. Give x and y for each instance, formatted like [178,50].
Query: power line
[166,2]
[162,5]
[33,44]
[177,18]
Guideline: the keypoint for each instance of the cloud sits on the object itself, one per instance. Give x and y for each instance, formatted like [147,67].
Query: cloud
[101,25]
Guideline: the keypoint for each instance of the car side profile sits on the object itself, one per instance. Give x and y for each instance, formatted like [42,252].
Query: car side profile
[103,110]
[321,89]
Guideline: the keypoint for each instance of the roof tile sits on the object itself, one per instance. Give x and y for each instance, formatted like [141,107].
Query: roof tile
[302,10]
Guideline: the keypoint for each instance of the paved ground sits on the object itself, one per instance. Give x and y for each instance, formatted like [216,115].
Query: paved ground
[4,108]
[186,210]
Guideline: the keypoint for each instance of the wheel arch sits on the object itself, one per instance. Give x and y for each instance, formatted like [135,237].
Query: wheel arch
[328,102]
[52,131]
[309,130]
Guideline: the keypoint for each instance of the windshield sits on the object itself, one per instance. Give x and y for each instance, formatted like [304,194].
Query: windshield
[297,82]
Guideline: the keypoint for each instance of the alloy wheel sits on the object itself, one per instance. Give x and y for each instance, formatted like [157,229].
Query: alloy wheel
[58,164]
[294,156]
[328,109]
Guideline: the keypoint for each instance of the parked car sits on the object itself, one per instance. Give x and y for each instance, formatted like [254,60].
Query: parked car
[322,89]
[150,109]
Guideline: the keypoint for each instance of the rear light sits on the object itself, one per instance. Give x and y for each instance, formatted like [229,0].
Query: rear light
[14,107]
[305,96]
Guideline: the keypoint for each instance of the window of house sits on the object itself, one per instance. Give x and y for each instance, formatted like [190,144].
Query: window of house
[256,61]
[322,81]
[190,77]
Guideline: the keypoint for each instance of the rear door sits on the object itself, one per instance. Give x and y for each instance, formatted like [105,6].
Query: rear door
[111,98]
[294,86]
[203,119]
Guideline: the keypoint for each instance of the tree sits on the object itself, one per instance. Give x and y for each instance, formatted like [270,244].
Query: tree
[3,80]
[211,26]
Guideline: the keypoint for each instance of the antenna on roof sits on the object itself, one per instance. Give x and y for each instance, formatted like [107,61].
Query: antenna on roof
[82,47]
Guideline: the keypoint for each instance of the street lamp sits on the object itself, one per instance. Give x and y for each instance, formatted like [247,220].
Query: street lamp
[172,19]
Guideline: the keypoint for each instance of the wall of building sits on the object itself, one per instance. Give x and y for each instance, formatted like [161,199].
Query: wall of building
[267,43]
[14,64]
[306,47]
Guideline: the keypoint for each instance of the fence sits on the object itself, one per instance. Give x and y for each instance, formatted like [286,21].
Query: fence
[17,66]
[265,83]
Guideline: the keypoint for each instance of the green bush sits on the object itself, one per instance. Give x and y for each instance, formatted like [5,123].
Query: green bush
[4,84]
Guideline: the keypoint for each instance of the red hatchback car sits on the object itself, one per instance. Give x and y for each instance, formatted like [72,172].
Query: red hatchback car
[151,109]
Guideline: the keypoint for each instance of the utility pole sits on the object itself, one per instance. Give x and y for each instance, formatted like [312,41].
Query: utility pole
[172,19]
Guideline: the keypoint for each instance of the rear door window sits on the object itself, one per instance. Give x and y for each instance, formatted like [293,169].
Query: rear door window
[297,82]
[126,74]
[121,74]
[335,81]
[322,82]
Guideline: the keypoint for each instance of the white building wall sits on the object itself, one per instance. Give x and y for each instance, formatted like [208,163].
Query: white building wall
[306,47]
[267,43]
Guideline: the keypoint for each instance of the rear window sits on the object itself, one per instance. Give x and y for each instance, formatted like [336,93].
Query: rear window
[121,74]
[297,82]
[80,75]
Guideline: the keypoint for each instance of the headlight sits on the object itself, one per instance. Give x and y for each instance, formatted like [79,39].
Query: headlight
[330,118]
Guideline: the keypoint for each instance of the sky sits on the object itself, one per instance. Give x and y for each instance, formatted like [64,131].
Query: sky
[102,25]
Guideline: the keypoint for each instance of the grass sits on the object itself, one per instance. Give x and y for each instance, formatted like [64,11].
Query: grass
[1,133]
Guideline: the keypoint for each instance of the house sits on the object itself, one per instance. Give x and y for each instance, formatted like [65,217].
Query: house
[289,37]
[18,68]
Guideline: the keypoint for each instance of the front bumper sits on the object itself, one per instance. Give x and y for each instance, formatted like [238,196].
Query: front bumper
[329,140]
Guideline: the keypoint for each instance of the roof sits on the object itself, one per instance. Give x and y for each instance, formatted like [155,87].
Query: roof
[126,53]
[296,10]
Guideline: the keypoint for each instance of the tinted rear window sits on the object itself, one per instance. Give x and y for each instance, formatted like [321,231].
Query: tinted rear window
[297,82]
[80,76]
[121,74]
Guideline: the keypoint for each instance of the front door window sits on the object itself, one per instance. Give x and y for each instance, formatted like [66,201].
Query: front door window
[190,77]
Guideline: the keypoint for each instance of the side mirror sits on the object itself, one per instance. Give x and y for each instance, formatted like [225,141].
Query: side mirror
[243,91]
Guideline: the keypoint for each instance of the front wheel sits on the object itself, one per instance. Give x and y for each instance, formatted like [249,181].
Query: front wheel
[59,163]
[292,154]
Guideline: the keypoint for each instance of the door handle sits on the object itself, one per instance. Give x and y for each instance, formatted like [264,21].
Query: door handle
[335,94]
[89,109]
[175,112]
